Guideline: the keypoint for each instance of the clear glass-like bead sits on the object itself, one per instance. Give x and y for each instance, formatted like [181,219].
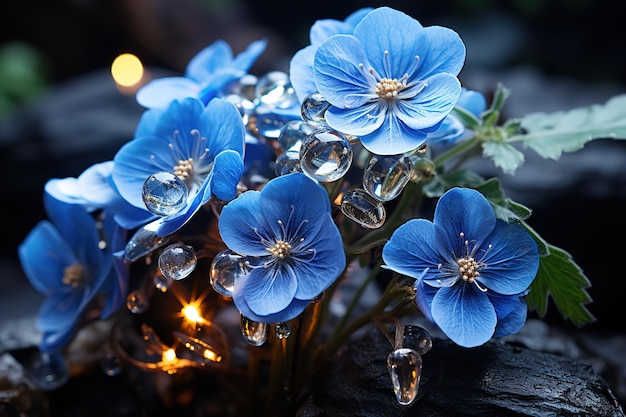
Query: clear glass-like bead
[226,268]
[137,302]
[177,261]
[49,370]
[313,110]
[287,162]
[386,176]
[111,364]
[205,345]
[326,155]
[282,330]
[418,338]
[405,368]
[144,241]
[254,332]
[275,89]
[164,193]
[362,208]
[293,132]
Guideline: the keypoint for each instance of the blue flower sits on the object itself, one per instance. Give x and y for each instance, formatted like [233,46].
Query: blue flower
[288,228]
[471,269]
[452,129]
[391,82]
[204,146]
[64,260]
[207,73]
[301,64]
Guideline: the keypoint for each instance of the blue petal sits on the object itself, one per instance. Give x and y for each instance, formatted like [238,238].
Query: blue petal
[410,250]
[301,72]
[432,104]
[95,185]
[424,295]
[244,60]
[337,74]
[446,53]
[358,121]
[239,222]
[317,274]
[223,127]
[464,314]
[227,170]
[61,310]
[267,290]
[44,255]
[472,101]
[172,223]
[393,40]
[514,320]
[294,309]
[209,60]
[53,341]
[159,93]
[393,137]
[512,261]
[67,191]
[462,210]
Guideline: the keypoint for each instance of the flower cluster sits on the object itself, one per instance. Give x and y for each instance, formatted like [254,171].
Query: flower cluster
[261,196]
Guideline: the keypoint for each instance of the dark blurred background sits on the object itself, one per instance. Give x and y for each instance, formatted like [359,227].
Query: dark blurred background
[60,111]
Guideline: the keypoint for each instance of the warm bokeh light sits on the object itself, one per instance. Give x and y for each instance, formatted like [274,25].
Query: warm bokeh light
[127,70]
[169,355]
[192,314]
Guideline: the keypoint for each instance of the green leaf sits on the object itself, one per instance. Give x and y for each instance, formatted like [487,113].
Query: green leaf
[504,156]
[560,278]
[551,134]
[504,208]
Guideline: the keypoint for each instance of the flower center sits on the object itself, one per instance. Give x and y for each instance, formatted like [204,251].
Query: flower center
[184,169]
[468,269]
[280,249]
[73,275]
[388,88]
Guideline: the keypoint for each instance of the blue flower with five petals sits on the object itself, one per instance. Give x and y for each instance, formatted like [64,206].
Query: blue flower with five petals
[471,269]
[64,259]
[207,73]
[288,228]
[204,146]
[391,82]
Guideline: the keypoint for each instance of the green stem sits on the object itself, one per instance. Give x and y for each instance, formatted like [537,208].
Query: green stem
[357,297]
[457,150]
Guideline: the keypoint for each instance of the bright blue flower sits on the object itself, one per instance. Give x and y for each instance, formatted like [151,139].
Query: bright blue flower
[288,228]
[65,261]
[301,64]
[204,146]
[391,82]
[471,269]
[207,73]
[451,128]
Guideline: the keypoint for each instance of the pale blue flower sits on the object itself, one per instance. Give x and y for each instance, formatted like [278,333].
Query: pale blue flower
[65,260]
[204,146]
[301,64]
[391,82]
[288,228]
[471,269]
[452,129]
[207,73]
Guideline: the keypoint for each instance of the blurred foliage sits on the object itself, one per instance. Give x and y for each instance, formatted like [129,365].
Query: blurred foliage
[22,74]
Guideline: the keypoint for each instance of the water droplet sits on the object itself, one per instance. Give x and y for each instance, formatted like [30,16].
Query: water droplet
[282,330]
[293,132]
[362,208]
[275,89]
[205,345]
[386,176]
[405,368]
[164,193]
[287,162]
[421,166]
[137,302]
[267,123]
[111,364]
[326,155]
[48,370]
[177,261]
[144,241]
[226,268]
[162,283]
[254,332]
[245,87]
[416,337]
[245,106]
[313,110]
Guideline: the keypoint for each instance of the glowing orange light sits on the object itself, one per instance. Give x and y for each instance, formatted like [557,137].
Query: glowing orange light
[169,355]
[192,313]
[127,70]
